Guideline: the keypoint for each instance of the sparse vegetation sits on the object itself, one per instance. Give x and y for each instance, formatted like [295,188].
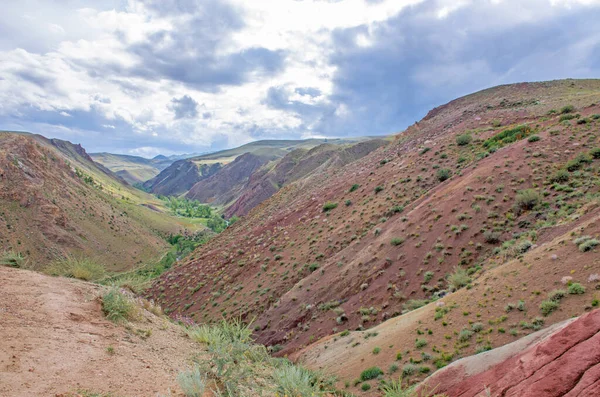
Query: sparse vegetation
[458,279]
[443,174]
[328,206]
[527,199]
[463,140]
[12,259]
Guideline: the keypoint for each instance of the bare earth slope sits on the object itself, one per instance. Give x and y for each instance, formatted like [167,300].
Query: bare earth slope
[55,340]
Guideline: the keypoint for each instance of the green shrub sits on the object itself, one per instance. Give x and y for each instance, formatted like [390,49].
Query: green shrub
[557,295]
[548,306]
[443,174]
[378,189]
[458,279]
[117,307]
[293,380]
[491,237]
[354,187]
[567,109]
[463,140]
[328,206]
[12,259]
[396,241]
[578,162]
[508,136]
[420,343]
[464,335]
[595,153]
[365,387]
[424,150]
[560,176]
[567,117]
[576,289]
[428,276]
[409,369]
[370,373]
[81,268]
[193,382]
[588,245]
[533,138]
[527,199]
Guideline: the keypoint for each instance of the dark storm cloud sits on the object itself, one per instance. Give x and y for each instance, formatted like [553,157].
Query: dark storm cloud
[189,54]
[184,107]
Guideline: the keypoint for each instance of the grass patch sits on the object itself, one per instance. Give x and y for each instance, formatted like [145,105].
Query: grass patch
[117,307]
[80,268]
[12,259]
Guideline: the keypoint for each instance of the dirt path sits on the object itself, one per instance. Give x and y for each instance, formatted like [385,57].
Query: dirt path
[54,340]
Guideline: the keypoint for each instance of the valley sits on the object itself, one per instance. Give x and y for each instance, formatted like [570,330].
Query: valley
[470,237]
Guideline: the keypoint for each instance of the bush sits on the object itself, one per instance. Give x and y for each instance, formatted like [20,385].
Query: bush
[117,307]
[12,259]
[508,136]
[370,373]
[365,387]
[396,241]
[566,117]
[193,382]
[578,162]
[465,335]
[328,206]
[491,237]
[560,176]
[588,245]
[557,295]
[595,153]
[533,138]
[576,289]
[463,140]
[458,279]
[567,109]
[354,187]
[443,174]
[292,380]
[409,369]
[81,268]
[378,189]
[420,343]
[548,306]
[527,199]
[424,150]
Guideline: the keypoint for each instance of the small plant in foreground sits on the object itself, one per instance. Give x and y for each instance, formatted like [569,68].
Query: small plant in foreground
[117,307]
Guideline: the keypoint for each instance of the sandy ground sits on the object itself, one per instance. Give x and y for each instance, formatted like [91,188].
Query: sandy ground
[54,340]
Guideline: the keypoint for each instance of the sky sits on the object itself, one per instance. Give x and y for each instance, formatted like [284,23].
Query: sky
[181,76]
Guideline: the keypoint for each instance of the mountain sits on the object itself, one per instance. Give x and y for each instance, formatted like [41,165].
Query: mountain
[224,177]
[477,225]
[179,177]
[135,169]
[55,201]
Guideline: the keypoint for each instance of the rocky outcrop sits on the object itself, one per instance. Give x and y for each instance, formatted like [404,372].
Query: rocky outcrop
[561,361]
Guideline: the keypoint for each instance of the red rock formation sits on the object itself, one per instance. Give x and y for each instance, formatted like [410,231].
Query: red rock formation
[567,363]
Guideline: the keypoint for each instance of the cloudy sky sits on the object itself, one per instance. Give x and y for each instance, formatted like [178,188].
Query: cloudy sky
[172,76]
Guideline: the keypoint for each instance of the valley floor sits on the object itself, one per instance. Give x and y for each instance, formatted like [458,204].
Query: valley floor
[55,341]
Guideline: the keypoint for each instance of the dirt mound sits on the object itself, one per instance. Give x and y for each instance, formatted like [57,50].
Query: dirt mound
[564,363]
[54,340]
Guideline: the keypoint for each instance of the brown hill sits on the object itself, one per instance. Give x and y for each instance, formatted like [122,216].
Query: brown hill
[54,201]
[225,185]
[299,163]
[180,176]
[350,248]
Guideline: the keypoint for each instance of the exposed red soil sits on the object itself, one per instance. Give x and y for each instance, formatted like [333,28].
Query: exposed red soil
[54,340]
[567,363]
